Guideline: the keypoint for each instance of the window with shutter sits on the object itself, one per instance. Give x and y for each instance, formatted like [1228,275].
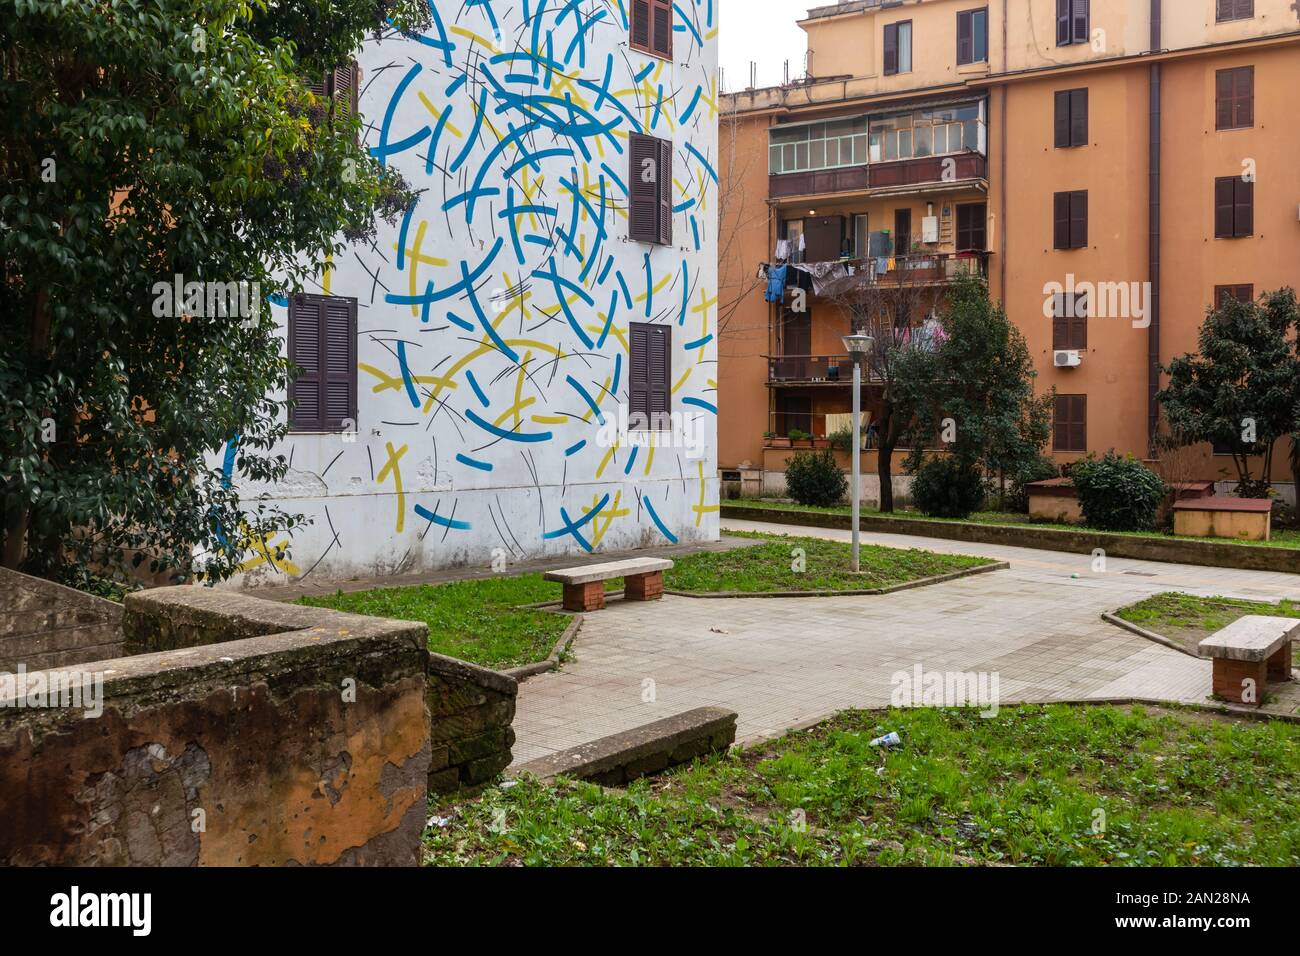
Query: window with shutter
[1069,321]
[650,175]
[972,220]
[649,376]
[1234,207]
[1072,22]
[1070,431]
[323,347]
[1070,220]
[1242,293]
[1226,10]
[891,49]
[972,36]
[1071,126]
[651,28]
[1234,98]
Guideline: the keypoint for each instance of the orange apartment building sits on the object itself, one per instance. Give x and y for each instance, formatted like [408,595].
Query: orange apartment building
[1147,148]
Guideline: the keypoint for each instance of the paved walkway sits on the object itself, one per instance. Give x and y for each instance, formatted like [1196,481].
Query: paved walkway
[782,663]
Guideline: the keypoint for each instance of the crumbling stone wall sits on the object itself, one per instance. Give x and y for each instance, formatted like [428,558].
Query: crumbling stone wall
[471,709]
[305,743]
[44,625]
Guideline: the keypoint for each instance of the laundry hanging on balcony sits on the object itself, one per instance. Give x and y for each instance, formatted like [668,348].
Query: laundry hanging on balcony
[776,276]
[822,274]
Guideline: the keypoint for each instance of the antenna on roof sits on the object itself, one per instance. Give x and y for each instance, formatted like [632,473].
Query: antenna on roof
[787,72]
[753,74]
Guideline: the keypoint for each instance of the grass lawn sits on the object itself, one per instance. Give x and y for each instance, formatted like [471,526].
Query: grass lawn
[1173,787]
[1187,618]
[482,620]
[1282,537]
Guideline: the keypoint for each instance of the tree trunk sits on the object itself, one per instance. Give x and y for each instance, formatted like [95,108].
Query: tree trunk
[1295,466]
[884,468]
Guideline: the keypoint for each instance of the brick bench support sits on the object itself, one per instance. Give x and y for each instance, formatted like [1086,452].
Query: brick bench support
[584,587]
[1249,653]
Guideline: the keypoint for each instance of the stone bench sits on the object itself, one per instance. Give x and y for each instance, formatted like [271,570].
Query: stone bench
[1248,653]
[584,587]
[1218,516]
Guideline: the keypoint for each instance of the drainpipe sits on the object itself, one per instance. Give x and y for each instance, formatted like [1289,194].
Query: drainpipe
[1153,251]
[1002,161]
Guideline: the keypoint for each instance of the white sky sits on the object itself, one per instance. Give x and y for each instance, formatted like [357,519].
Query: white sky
[763,31]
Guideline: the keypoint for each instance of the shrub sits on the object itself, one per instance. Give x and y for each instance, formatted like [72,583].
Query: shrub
[1117,494]
[814,478]
[948,488]
[842,439]
[1036,469]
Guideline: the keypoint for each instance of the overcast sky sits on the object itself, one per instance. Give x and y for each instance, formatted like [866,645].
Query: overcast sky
[763,31]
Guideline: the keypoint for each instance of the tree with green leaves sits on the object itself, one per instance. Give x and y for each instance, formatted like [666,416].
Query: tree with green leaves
[976,391]
[1241,389]
[142,141]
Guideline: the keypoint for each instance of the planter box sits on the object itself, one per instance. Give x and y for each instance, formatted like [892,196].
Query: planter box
[1054,500]
[1221,517]
[776,442]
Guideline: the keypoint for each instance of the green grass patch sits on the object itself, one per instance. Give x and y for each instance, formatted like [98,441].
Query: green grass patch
[1282,537]
[1173,614]
[482,620]
[781,563]
[1059,785]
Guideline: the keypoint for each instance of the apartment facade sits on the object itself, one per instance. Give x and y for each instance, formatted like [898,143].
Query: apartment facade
[1110,165]
[525,364]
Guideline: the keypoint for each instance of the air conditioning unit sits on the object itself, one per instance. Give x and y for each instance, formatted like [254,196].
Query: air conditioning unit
[1067,358]
[930,229]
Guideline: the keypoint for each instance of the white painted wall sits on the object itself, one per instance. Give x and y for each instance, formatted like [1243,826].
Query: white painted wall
[362,524]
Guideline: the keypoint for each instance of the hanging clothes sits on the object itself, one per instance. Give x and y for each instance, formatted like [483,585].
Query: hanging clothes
[776,276]
[782,250]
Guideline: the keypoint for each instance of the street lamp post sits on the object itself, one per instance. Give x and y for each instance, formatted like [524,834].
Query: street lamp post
[857,346]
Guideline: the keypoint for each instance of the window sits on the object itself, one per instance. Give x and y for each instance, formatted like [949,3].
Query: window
[1242,293]
[1234,207]
[649,388]
[1069,320]
[1071,428]
[898,47]
[861,236]
[652,27]
[1072,18]
[1233,10]
[812,146]
[338,90]
[323,345]
[1071,118]
[935,132]
[1070,220]
[1234,98]
[902,231]
[972,36]
[972,220]
[650,171]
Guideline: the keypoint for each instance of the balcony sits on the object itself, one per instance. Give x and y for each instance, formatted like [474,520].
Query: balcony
[921,269]
[812,370]
[900,176]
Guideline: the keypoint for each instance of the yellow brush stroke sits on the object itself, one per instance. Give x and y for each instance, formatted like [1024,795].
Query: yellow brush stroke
[395,469]
[438,116]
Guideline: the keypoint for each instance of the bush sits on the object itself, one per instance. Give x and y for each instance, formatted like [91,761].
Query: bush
[1117,494]
[814,478]
[842,439]
[1037,469]
[947,488]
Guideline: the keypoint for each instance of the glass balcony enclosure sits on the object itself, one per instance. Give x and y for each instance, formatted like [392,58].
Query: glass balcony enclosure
[813,146]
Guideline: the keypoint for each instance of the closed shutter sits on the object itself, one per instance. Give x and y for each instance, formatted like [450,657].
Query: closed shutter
[1243,218]
[1244,98]
[891,49]
[1242,293]
[1069,321]
[1080,21]
[344,90]
[643,204]
[1062,124]
[1079,219]
[662,40]
[1079,117]
[1224,202]
[650,365]
[1234,10]
[971,220]
[641,24]
[1061,221]
[638,380]
[823,238]
[1071,424]
[1062,22]
[1223,99]
[323,346]
[660,370]
[965,37]
[665,197]
[305,413]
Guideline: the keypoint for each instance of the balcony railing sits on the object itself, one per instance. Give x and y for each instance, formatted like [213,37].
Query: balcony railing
[926,171]
[917,269]
[813,370]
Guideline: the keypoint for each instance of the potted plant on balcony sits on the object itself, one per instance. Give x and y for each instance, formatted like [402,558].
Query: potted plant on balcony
[823,442]
[800,439]
[771,440]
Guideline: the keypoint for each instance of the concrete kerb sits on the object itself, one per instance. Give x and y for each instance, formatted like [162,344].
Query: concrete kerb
[1152,636]
[557,652]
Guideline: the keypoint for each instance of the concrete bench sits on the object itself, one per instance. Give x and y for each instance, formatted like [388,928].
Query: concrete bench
[1218,516]
[1248,653]
[584,587]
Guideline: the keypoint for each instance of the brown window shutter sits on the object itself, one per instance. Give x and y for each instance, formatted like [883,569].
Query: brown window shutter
[643,203]
[1223,90]
[638,380]
[1060,326]
[340,379]
[665,195]
[662,40]
[305,413]
[1061,221]
[1062,22]
[660,369]
[641,24]
[1079,117]
[823,238]
[1243,218]
[1062,119]
[344,89]
[1244,98]
[1224,203]
[1079,219]
[1081,18]
[1079,323]
[1079,425]
[1070,426]
[965,36]
[891,49]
